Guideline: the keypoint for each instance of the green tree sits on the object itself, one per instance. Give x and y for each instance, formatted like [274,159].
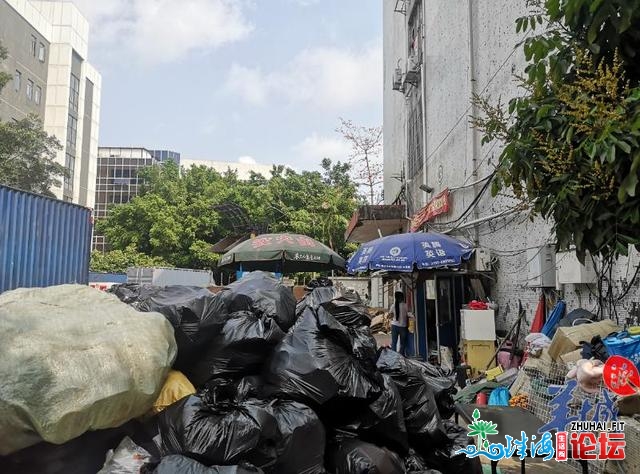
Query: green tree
[27,156]
[174,218]
[572,139]
[117,261]
[27,152]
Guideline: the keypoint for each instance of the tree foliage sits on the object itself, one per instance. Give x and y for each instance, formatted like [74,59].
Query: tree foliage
[174,218]
[572,139]
[117,261]
[366,166]
[27,156]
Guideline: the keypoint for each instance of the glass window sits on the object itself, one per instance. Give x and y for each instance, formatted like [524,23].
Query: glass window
[34,42]
[75,93]
[17,79]
[30,89]
[38,95]
[41,52]
[72,131]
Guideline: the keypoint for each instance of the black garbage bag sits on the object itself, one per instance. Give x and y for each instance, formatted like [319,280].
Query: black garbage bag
[445,458]
[317,297]
[221,434]
[315,363]
[348,311]
[354,456]
[413,462]
[382,422]
[242,346]
[320,282]
[222,390]
[441,381]
[196,314]
[421,416]
[302,445]
[264,295]
[176,464]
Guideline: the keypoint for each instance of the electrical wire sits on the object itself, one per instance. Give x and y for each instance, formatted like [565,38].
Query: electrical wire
[448,134]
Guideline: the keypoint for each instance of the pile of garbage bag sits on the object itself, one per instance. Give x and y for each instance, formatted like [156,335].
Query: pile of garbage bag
[238,382]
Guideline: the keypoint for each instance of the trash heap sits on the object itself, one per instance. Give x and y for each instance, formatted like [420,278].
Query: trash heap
[250,382]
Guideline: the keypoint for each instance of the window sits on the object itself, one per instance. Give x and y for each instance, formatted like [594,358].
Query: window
[30,89]
[34,44]
[38,95]
[41,52]
[75,93]
[17,79]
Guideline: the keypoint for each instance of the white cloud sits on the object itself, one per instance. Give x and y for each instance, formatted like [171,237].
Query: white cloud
[247,160]
[161,31]
[324,77]
[316,147]
[248,83]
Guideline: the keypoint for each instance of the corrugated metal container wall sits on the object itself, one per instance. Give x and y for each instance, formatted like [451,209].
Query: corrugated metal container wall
[43,241]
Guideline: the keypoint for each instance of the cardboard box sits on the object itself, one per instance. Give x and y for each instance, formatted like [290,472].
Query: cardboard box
[571,358]
[568,339]
[543,364]
[478,354]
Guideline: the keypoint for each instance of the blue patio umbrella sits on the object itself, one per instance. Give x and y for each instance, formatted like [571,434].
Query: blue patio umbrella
[408,252]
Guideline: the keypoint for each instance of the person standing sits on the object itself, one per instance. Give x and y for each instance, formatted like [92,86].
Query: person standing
[399,323]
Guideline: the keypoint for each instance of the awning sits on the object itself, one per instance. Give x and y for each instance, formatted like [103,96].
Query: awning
[368,222]
[228,243]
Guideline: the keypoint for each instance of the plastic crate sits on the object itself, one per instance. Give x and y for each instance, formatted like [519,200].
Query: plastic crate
[625,345]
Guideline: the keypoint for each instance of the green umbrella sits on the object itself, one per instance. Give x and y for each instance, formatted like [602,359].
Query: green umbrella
[282,253]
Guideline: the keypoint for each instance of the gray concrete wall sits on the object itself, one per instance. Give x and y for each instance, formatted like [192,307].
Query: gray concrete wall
[15,35]
[394,118]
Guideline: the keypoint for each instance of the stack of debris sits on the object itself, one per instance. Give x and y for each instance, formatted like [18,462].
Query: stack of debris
[258,385]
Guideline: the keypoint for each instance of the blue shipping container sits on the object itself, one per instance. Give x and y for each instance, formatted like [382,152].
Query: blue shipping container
[43,241]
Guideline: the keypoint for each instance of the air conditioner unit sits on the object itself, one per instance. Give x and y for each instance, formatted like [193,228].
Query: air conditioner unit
[413,69]
[397,79]
[481,260]
[570,270]
[541,267]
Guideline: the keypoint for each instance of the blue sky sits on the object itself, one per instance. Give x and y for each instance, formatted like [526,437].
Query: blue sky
[237,79]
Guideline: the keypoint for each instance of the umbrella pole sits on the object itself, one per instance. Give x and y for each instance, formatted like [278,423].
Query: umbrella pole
[435,283]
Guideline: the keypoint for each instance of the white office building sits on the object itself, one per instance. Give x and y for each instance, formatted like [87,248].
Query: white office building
[71,92]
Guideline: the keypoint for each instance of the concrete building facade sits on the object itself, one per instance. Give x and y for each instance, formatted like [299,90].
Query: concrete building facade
[117,180]
[59,75]
[470,47]
[26,40]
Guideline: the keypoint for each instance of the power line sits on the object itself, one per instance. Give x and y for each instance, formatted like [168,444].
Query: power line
[446,137]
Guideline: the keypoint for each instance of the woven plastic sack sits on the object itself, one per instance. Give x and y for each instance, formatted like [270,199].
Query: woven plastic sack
[175,388]
[76,359]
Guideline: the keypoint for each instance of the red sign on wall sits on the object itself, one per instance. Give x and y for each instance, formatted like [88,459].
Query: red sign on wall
[437,206]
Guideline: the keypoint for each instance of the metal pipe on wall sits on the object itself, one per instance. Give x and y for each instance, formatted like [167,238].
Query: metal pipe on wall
[423,83]
[474,113]
[435,284]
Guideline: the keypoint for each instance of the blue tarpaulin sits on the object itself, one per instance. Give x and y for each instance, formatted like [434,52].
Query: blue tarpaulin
[549,328]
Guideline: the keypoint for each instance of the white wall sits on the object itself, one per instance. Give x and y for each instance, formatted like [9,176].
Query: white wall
[68,31]
[394,117]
